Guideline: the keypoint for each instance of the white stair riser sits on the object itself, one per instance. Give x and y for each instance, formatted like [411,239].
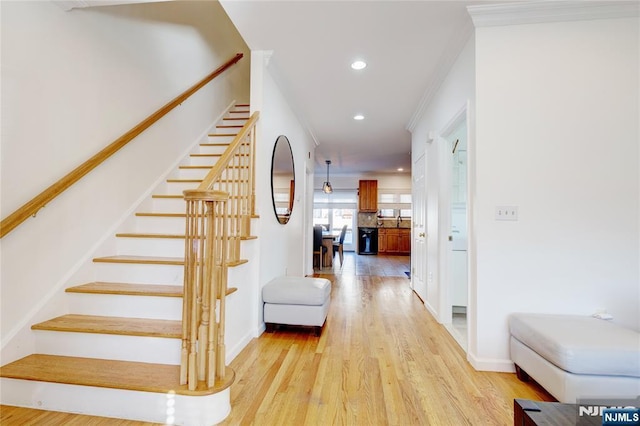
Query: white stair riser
[228,130]
[228,122]
[109,346]
[203,161]
[124,404]
[180,187]
[126,306]
[166,247]
[201,173]
[221,137]
[142,274]
[192,173]
[160,224]
[212,149]
[168,205]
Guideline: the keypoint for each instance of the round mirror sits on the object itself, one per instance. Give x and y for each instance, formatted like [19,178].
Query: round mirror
[282,179]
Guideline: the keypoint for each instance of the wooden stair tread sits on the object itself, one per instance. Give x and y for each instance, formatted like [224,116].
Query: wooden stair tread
[148,260]
[222,135]
[113,325]
[152,214]
[153,260]
[136,235]
[128,289]
[168,236]
[167,196]
[178,196]
[136,376]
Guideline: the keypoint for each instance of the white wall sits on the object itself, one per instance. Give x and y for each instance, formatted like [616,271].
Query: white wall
[557,135]
[284,249]
[72,83]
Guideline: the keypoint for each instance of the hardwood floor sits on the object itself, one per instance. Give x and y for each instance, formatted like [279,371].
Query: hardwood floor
[381,360]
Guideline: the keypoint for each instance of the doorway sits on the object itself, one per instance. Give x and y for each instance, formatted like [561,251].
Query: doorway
[456,253]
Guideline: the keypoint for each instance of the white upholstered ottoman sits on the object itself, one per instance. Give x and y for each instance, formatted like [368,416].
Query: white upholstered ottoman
[300,301]
[575,357]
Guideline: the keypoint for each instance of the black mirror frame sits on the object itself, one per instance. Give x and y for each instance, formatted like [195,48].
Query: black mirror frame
[283,219]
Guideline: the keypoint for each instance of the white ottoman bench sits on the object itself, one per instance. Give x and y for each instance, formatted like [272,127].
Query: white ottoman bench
[576,357]
[300,301]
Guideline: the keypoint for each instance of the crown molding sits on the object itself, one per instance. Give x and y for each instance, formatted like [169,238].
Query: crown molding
[533,12]
[453,50]
[67,5]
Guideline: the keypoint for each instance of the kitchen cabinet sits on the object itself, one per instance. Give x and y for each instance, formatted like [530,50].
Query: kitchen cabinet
[382,240]
[368,196]
[394,241]
[404,241]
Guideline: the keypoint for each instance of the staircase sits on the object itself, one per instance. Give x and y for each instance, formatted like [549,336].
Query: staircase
[118,352]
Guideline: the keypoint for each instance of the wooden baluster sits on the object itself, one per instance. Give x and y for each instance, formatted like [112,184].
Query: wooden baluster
[222,290]
[186,320]
[253,168]
[206,265]
[193,299]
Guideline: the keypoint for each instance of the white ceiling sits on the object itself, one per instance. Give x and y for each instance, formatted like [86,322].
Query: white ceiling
[408,46]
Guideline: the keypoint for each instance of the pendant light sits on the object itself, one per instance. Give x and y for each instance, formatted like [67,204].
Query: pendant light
[326,187]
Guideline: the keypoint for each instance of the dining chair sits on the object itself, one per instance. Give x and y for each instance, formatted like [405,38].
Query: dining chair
[337,245]
[318,248]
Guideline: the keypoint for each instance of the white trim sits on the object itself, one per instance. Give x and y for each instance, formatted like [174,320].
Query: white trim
[233,352]
[532,12]
[67,5]
[490,364]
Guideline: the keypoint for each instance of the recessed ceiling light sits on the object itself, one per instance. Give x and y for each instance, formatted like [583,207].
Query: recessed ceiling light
[358,65]
[358,117]
[400,169]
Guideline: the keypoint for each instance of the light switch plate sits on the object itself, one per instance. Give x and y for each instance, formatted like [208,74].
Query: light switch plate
[506,212]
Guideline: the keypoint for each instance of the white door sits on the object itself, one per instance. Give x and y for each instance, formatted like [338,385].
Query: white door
[419,249]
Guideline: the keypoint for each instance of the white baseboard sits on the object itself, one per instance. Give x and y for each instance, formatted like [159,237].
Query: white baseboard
[490,364]
[233,352]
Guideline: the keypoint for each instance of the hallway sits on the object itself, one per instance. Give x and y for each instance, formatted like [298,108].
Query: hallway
[381,360]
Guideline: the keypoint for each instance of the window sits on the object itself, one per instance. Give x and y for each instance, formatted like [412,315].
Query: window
[394,203]
[335,210]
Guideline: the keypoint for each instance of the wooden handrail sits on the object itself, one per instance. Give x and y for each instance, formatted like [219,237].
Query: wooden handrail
[9,223]
[221,164]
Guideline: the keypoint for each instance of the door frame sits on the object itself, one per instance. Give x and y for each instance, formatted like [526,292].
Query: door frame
[419,227]
[444,212]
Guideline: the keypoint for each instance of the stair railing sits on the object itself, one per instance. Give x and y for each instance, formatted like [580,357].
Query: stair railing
[218,216]
[39,201]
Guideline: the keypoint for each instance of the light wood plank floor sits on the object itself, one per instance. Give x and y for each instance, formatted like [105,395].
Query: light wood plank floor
[381,360]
